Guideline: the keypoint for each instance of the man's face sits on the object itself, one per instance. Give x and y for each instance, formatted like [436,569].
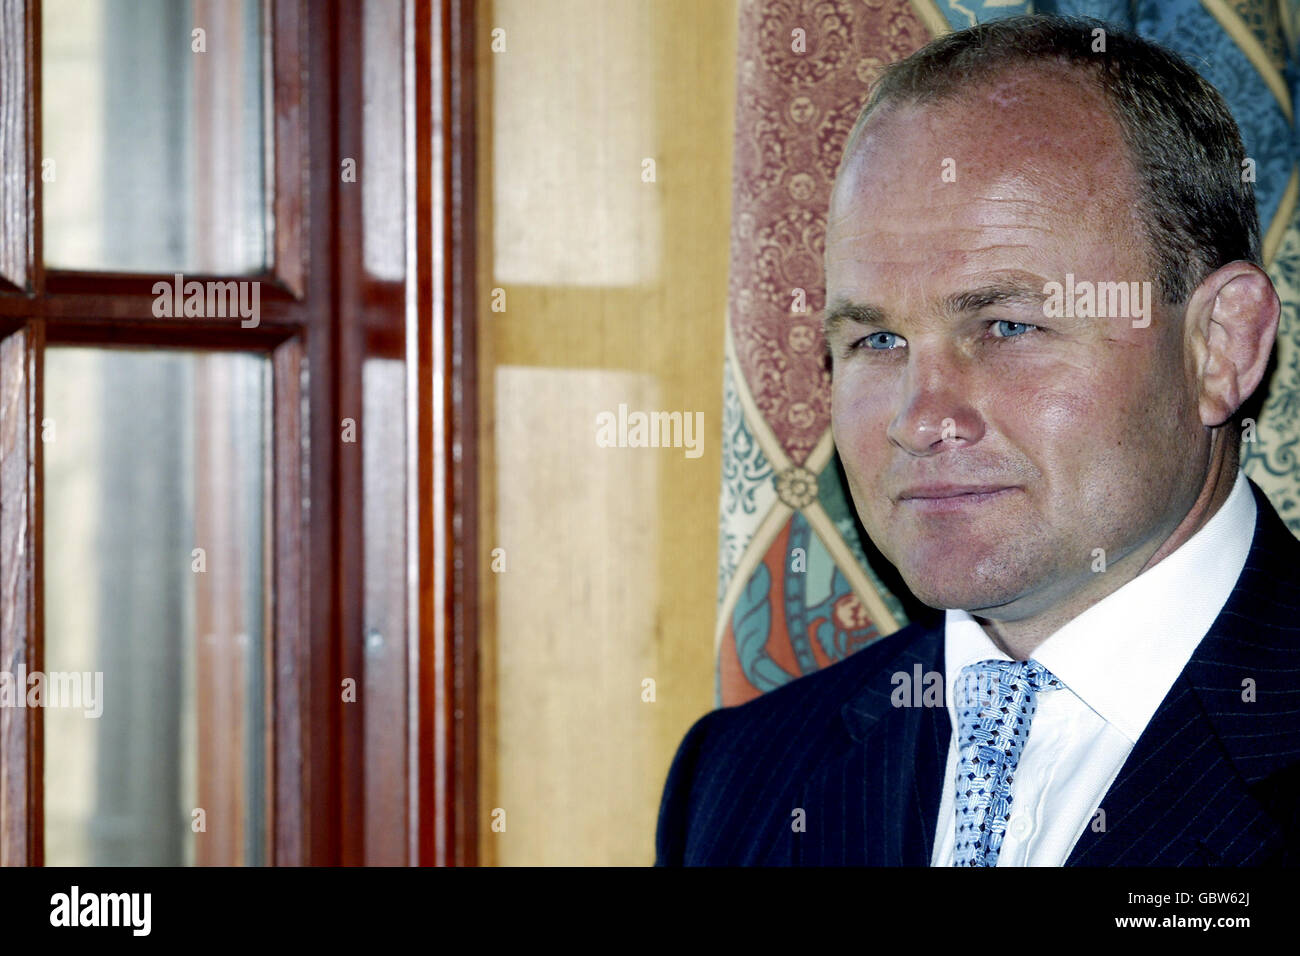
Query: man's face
[1082,432]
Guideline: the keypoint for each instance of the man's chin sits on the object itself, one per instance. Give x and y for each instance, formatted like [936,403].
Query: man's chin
[966,592]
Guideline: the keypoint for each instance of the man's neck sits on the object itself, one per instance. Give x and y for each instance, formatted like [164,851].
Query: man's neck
[1019,639]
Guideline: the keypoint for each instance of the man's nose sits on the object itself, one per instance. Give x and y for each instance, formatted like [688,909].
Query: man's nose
[935,411]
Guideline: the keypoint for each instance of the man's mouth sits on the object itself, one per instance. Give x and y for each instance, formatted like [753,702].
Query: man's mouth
[949,497]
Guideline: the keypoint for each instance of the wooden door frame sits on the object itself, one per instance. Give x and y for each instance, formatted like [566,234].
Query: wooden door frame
[313,639]
[441,322]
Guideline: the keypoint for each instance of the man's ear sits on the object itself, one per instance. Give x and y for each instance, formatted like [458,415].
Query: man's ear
[1231,324]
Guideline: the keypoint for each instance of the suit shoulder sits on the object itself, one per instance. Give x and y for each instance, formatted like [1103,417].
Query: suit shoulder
[817,696]
[737,766]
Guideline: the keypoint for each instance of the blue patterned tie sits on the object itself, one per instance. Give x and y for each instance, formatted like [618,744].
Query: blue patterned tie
[995,702]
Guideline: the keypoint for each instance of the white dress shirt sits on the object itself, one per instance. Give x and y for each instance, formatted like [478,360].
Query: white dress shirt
[1117,661]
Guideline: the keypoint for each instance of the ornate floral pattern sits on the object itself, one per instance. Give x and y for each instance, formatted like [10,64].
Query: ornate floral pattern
[747,489]
[795,107]
[797,487]
[793,113]
[796,614]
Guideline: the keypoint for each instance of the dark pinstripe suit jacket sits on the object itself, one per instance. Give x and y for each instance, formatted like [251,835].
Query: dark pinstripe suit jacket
[1214,780]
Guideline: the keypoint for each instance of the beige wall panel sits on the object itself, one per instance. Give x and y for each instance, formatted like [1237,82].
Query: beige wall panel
[611,285]
[575,618]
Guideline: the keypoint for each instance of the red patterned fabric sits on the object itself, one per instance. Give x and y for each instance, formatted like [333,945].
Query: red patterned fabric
[794,594]
[793,113]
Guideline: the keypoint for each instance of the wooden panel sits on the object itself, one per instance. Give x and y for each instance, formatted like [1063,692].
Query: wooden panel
[289,644]
[457,437]
[442,483]
[199,335]
[372,106]
[21,749]
[137,288]
[305,784]
[17,173]
[349,476]
[288,159]
[426,296]
[325,540]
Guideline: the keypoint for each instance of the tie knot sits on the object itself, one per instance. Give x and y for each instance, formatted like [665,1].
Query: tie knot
[1007,676]
[987,681]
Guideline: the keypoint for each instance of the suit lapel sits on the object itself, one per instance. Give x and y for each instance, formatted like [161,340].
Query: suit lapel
[933,732]
[1208,781]
[1178,801]
[874,802]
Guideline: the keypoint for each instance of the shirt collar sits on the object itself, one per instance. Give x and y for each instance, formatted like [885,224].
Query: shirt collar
[1121,656]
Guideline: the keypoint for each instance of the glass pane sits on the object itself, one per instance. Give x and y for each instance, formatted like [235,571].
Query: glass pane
[152,121]
[383,183]
[383,444]
[154,594]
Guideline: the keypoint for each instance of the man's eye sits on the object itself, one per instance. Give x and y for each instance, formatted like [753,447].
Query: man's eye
[1006,329]
[880,341]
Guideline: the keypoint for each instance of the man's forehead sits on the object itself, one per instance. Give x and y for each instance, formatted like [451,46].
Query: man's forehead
[938,190]
[986,234]
[1005,212]
[1049,126]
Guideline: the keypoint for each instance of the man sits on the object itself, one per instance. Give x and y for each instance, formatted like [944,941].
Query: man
[1053,459]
